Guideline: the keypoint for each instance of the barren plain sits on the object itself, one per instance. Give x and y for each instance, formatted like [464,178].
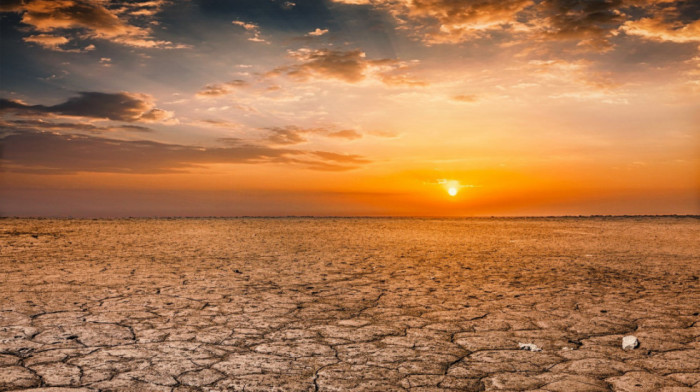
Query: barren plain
[349,304]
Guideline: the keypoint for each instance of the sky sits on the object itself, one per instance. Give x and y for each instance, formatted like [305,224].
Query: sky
[349,107]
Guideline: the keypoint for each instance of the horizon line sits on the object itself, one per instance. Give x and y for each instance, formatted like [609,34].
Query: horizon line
[38,217]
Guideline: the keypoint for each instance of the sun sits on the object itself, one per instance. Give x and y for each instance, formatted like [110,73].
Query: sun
[452,187]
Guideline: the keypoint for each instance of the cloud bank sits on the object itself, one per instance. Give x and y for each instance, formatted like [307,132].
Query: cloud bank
[62,21]
[124,106]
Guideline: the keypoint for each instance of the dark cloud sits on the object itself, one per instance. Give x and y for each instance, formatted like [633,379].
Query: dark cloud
[11,5]
[590,22]
[132,128]
[44,125]
[52,153]
[129,107]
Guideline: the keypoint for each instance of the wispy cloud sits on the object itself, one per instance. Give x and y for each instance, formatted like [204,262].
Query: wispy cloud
[290,135]
[350,66]
[466,98]
[51,153]
[38,125]
[253,29]
[218,89]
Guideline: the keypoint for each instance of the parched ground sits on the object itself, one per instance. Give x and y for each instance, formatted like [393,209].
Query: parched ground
[349,304]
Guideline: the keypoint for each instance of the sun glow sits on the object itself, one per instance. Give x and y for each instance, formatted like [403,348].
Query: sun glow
[451,186]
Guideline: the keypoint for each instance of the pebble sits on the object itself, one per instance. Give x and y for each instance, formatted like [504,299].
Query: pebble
[528,347]
[630,342]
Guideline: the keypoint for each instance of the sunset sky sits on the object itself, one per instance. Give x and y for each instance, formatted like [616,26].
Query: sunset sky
[349,107]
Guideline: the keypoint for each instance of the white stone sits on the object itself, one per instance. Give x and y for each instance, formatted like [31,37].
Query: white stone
[630,342]
[529,347]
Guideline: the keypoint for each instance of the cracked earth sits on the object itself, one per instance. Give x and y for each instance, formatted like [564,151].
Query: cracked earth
[349,304]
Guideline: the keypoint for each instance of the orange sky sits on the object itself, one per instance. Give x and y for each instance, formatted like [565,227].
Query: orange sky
[343,107]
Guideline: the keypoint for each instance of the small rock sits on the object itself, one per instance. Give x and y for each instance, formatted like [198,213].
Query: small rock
[630,342]
[528,347]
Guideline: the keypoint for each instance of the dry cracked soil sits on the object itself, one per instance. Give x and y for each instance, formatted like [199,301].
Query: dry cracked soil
[289,304]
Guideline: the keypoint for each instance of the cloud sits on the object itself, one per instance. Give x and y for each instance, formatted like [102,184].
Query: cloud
[47,41]
[290,135]
[467,98]
[383,133]
[346,134]
[133,128]
[575,73]
[397,78]
[349,66]
[353,2]
[450,21]
[215,90]
[219,124]
[124,106]
[247,26]
[252,28]
[458,21]
[11,6]
[142,8]
[317,33]
[591,24]
[51,153]
[62,127]
[88,19]
[340,158]
[659,29]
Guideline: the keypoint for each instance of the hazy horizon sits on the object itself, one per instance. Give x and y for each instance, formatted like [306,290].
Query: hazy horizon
[349,217]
